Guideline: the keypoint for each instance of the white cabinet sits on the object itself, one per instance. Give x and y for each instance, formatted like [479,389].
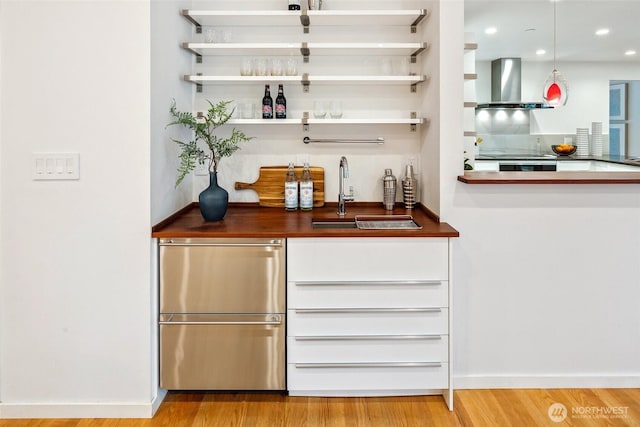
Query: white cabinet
[368,316]
[314,39]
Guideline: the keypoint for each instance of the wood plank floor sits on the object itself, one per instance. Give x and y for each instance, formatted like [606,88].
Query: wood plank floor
[473,408]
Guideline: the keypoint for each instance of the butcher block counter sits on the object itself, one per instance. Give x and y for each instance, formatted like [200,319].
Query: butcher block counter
[251,220]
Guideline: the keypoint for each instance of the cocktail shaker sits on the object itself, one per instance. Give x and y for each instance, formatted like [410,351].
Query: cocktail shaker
[315,4]
[409,188]
[389,185]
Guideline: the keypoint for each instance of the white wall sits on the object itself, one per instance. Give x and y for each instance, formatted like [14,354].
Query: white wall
[168,62]
[545,278]
[588,93]
[76,323]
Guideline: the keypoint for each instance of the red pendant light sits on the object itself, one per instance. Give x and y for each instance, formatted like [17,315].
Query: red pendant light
[556,90]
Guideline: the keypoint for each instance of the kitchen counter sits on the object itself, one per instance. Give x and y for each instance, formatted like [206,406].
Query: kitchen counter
[558,177]
[251,220]
[550,177]
[604,158]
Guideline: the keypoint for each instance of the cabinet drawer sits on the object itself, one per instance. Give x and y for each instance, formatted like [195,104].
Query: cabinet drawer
[368,348]
[364,321]
[367,294]
[392,259]
[363,377]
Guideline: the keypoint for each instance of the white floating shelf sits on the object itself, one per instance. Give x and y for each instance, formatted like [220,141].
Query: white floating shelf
[211,49]
[250,18]
[253,18]
[387,80]
[265,122]
[366,17]
[227,49]
[354,121]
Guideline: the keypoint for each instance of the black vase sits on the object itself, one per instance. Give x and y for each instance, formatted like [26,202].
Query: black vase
[213,200]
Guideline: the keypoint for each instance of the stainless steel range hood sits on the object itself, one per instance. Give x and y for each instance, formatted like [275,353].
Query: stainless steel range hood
[506,86]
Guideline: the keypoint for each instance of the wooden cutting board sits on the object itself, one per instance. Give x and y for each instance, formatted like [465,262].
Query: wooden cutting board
[270,185]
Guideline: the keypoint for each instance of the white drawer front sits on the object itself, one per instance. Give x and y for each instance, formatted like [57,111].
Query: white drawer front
[330,259]
[367,294]
[368,348]
[363,377]
[364,321]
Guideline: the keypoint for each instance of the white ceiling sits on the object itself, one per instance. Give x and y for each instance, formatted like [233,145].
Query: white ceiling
[525,26]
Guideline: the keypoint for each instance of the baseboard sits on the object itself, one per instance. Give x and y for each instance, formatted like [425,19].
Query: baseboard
[545,381]
[82,410]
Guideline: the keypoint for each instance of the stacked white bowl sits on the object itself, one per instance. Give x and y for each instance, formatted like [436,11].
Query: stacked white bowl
[596,139]
[582,141]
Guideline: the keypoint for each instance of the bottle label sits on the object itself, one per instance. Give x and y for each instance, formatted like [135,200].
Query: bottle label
[306,194]
[267,112]
[291,195]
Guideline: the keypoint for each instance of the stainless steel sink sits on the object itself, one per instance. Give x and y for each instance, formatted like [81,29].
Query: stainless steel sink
[368,222]
[318,223]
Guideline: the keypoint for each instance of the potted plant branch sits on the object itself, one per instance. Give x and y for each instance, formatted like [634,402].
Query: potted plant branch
[207,147]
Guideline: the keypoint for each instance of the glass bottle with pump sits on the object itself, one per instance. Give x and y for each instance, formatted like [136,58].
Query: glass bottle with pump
[291,189]
[267,104]
[281,104]
[306,189]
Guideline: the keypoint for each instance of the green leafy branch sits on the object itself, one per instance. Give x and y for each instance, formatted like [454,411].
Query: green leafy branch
[203,129]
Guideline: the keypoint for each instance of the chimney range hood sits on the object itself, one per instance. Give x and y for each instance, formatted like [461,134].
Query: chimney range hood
[506,87]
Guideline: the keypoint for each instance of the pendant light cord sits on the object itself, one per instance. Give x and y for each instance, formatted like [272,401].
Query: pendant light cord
[555,29]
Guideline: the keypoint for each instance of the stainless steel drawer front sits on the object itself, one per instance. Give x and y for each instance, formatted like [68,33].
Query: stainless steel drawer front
[231,352]
[222,276]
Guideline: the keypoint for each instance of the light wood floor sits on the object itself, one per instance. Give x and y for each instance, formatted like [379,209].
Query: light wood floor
[473,408]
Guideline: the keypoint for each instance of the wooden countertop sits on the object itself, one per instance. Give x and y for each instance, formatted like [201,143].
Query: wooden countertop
[550,178]
[251,220]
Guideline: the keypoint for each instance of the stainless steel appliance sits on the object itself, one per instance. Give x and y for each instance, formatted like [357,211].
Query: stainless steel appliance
[222,314]
[527,165]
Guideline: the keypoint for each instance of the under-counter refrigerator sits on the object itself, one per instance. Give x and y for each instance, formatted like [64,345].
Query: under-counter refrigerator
[222,314]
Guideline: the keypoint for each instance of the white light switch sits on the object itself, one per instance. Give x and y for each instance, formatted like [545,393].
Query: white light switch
[56,166]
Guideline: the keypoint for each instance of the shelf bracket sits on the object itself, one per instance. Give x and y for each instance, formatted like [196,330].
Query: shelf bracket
[414,88]
[414,25]
[304,20]
[304,50]
[198,84]
[305,121]
[413,127]
[196,24]
[414,55]
[198,58]
[305,82]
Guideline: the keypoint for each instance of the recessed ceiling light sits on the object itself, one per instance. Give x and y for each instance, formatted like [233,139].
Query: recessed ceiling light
[491,30]
[540,52]
[602,32]
[630,52]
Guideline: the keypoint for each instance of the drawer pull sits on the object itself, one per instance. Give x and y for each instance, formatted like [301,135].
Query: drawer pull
[367,310]
[193,322]
[272,244]
[374,283]
[371,365]
[368,337]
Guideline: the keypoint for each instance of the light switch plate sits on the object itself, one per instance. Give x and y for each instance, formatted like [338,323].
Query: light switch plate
[55,166]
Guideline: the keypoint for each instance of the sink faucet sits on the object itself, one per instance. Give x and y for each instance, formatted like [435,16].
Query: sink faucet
[342,198]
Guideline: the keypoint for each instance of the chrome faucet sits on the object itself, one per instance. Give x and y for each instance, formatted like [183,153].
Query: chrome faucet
[342,198]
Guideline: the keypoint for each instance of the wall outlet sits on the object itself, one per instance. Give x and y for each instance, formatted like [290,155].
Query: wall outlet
[202,168]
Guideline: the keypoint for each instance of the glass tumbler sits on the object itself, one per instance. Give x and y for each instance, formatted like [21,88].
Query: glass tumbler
[246,67]
[319,112]
[292,66]
[335,110]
